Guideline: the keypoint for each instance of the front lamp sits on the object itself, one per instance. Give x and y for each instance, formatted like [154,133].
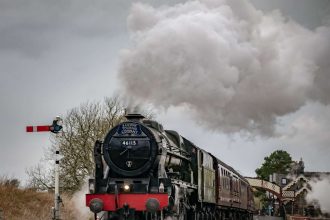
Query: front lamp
[126,188]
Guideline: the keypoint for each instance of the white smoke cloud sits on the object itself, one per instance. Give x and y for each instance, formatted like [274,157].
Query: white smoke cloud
[79,203]
[236,68]
[320,193]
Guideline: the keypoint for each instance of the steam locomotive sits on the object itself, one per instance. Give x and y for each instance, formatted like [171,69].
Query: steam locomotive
[145,172]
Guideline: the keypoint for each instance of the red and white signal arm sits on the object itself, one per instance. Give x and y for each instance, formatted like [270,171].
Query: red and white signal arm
[54,128]
[37,128]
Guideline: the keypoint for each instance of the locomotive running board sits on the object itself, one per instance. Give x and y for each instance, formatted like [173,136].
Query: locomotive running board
[183,183]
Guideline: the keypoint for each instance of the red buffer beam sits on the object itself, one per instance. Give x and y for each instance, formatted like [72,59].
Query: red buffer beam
[37,128]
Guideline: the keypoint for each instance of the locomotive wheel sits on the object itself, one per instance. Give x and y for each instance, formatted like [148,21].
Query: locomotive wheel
[183,214]
[217,215]
[222,215]
[191,214]
[199,215]
[208,215]
[213,216]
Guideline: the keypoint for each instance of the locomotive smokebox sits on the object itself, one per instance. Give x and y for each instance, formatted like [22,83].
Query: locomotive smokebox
[130,149]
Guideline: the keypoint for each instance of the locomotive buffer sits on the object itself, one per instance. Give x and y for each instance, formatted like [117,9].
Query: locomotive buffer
[55,128]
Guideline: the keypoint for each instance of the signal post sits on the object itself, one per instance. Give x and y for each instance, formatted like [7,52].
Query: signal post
[55,128]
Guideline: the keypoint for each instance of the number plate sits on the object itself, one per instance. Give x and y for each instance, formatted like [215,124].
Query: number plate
[129,143]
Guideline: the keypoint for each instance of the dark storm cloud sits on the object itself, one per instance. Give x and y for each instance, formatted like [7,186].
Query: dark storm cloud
[32,27]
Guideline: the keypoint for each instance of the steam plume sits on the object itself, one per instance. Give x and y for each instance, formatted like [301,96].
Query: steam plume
[234,67]
[78,199]
[320,193]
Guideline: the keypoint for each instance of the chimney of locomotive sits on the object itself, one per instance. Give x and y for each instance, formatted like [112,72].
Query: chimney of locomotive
[134,117]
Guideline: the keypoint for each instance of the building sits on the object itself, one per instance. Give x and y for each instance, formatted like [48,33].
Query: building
[297,180]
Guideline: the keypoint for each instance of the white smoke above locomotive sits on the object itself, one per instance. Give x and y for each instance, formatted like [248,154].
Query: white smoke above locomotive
[234,67]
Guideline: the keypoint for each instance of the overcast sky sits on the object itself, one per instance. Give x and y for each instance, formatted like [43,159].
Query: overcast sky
[55,55]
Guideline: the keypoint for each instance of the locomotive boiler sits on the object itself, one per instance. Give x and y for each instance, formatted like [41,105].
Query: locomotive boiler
[145,172]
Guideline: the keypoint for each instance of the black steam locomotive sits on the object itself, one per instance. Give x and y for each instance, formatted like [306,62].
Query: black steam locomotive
[145,172]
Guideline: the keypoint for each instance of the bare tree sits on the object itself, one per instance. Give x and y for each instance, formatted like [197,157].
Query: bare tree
[82,126]
[40,177]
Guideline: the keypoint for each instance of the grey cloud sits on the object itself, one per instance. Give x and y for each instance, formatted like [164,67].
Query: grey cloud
[311,14]
[319,51]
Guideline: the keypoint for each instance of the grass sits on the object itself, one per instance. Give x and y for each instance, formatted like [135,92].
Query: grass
[28,204]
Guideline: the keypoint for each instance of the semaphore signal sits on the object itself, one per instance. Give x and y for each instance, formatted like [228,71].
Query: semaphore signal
[55,128]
